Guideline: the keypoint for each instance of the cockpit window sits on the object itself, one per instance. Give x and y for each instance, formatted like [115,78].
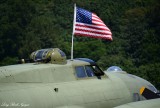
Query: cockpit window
[88,71]
[97,70]
[80,71]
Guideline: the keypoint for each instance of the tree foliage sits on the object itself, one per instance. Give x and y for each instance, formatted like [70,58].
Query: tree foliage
[28,25]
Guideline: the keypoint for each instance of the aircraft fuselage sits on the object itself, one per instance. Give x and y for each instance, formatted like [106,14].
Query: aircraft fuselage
[58,86]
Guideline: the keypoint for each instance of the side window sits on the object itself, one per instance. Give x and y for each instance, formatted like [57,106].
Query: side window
[89,71]
[80,71]
[97,70]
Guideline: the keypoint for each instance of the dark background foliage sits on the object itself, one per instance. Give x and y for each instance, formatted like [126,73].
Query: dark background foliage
[29,25]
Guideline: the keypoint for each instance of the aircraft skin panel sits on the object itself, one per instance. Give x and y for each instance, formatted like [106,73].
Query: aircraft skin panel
[69,94]
[131,80]
[81,95]
[31,97]
[31,72]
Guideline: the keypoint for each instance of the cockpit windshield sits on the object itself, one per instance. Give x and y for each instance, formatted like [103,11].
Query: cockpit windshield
[88,71]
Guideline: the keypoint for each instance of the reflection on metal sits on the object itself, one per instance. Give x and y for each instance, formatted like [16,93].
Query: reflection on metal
[52,55]
[114,69]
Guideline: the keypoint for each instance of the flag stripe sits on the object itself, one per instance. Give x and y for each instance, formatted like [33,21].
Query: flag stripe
[92,30]
[93,33]
[94,36]
[98,23]
[91,26]
[89,33]
[96,18]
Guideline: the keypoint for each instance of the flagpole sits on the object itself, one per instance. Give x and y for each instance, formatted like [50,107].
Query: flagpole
[74,20]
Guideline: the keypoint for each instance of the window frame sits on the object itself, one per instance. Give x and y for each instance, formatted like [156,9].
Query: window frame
[92,70]
[96,71]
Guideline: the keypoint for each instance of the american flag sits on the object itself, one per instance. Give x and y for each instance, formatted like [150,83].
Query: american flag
[90,25]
